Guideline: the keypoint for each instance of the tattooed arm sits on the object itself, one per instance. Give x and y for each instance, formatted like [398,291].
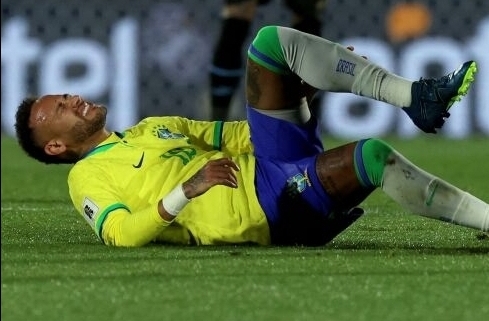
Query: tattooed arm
[215,172]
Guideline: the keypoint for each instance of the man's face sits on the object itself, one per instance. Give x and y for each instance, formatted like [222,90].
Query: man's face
[67,118]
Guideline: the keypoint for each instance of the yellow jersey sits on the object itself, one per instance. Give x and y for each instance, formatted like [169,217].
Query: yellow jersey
[116,187]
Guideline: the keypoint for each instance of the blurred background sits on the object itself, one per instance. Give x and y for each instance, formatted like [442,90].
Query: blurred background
[151,57]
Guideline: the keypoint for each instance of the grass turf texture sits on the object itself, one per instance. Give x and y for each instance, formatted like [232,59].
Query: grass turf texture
[387,266]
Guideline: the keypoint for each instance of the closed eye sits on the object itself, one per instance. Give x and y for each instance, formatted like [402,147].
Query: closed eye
[60,107]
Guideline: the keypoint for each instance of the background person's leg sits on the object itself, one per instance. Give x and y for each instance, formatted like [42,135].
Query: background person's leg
[227,62]
[307,16]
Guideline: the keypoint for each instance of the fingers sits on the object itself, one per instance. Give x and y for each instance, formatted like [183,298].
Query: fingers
[215,172]
[351,48]
[222,172]
[225,162]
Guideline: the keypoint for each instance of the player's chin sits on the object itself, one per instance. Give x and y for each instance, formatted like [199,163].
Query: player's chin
[102,109]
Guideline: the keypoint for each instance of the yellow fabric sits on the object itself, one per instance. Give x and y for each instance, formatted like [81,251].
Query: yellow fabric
[117,186]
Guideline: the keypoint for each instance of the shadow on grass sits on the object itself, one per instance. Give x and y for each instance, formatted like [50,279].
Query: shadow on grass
[412,247]
[93,252]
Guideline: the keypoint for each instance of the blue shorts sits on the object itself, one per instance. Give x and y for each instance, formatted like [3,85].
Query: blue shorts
[287,185]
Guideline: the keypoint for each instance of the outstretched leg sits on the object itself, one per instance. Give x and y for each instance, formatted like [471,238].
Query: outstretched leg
[350,172]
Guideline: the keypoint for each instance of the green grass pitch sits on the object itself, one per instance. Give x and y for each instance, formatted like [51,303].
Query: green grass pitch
[390,265]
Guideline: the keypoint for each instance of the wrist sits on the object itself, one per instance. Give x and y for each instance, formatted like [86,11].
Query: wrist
[175,201]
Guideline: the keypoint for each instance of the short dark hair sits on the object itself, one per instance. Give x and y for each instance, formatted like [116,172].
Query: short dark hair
[25,134]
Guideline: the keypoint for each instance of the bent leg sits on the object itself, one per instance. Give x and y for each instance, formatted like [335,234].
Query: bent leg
[326,65]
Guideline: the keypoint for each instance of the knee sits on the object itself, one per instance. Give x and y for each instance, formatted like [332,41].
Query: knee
[371,156]
[377,149]
[266,50]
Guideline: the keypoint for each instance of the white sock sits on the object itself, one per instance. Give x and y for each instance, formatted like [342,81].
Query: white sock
[424,194]
[330,66]
[379,84]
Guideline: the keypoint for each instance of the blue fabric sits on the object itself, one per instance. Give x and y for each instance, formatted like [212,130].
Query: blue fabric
[360,165]
[286,154]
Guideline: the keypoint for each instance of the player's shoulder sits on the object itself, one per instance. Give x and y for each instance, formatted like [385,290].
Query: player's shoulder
[153,124]
[161,120]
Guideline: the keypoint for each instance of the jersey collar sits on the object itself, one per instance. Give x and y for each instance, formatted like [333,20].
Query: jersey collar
[113,139]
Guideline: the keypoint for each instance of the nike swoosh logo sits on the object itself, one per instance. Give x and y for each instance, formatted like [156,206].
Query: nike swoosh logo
[429,201]
[138,165]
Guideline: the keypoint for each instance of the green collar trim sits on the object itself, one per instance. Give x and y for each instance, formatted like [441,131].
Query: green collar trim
[107,144]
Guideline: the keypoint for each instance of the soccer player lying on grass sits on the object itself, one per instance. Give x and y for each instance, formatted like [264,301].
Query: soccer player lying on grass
[266,180]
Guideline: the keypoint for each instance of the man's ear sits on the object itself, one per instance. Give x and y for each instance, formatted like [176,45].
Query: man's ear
[54,147]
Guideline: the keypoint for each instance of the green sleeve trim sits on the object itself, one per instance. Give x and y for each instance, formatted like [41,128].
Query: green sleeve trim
[266,50]
[217,139]
[101,219]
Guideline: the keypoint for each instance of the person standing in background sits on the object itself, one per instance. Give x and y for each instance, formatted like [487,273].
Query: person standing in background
[227,62]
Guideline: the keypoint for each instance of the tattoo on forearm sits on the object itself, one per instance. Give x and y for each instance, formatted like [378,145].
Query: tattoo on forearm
[194,181]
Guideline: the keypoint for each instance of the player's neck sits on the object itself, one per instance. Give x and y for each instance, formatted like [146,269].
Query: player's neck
[94,141]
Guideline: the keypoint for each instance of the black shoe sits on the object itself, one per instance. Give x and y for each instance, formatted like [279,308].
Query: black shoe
[340,221]
[432,98]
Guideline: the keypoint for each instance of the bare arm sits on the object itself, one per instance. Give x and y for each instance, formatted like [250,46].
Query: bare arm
[215,172]
[122,228]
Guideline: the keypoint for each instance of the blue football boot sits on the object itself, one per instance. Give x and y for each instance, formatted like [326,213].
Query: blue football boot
[432,98]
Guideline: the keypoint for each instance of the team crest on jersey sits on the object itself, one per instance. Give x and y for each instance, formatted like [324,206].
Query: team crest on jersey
[164,133]
[90,210]
[297,184]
